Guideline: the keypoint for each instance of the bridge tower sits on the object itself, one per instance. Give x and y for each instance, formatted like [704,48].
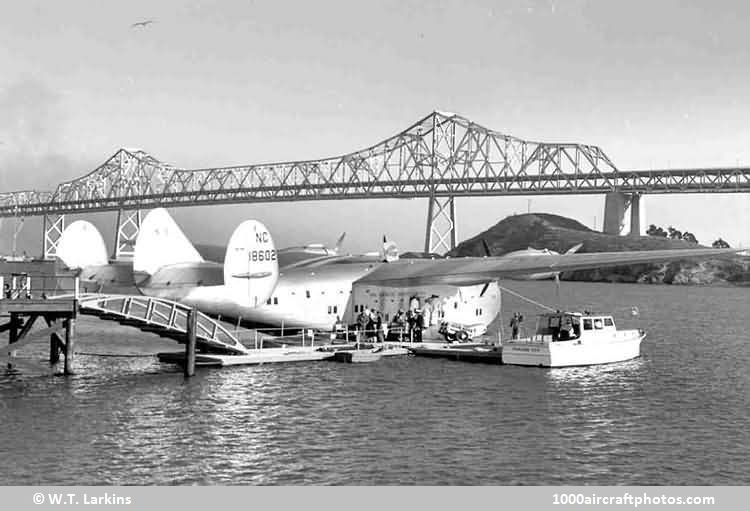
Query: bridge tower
[616,205]
[441,225]
[128,227]
[440,235]
[53,227]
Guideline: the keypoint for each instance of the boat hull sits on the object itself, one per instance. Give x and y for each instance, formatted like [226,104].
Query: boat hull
[574,353]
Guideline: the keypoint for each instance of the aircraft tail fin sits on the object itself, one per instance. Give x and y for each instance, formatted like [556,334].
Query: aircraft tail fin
[81,245]
[160,243]
[251,266]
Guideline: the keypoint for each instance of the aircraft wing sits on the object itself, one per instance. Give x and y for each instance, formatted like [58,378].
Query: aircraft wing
[475,270]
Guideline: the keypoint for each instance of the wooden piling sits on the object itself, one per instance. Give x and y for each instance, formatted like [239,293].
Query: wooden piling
[192,327]
[69,346]
[12,337]
[54,349]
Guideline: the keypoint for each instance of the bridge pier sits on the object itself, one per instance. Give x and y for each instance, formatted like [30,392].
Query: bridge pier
[616,204]
[635,215]
[440,235]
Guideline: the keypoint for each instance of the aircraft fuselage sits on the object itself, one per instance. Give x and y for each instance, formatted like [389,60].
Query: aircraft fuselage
[319,295]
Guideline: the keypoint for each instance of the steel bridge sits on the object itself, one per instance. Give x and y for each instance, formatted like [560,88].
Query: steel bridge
[441,157]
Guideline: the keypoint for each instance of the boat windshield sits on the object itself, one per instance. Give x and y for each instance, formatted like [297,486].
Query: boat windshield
[561,326]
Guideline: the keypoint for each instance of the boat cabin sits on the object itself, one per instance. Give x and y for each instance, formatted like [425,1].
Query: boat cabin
[566,326]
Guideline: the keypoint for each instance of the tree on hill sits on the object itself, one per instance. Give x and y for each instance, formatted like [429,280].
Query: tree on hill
[689,236]
[653,230]
[674,234]
[720,243]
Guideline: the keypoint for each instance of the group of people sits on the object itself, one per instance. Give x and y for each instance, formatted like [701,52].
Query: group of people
[370,326]
[407,325]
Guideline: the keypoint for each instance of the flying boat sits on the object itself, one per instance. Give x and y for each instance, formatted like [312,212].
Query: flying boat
[322,289]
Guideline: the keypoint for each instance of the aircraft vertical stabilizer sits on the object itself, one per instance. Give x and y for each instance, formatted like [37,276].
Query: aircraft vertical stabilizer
[251,267]
[160,243]
[81,245]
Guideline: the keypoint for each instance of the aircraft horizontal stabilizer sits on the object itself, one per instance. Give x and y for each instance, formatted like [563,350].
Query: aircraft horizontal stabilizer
[259,275]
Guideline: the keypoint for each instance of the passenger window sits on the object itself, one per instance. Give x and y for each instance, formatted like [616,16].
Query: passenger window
[329,309]
[275,300]
[335,309]
[307,293]
[587,324]
[608,322]
[268,302]
[455,305]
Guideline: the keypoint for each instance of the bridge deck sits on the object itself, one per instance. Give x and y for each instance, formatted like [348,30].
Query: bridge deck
[441,154]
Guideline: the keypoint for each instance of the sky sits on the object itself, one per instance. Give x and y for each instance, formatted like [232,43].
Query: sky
[655,84]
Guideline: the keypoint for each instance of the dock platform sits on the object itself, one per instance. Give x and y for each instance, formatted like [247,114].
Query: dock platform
[253,357]
[486,354]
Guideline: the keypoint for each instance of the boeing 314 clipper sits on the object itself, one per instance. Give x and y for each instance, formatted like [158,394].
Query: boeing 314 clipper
[301,288]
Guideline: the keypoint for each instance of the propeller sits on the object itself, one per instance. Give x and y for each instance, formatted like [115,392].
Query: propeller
[486,248]
[484,289]
[339,243]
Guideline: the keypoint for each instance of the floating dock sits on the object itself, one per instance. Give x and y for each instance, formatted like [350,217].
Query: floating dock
[356,356]
[346,353]
[253,357]
[485,354]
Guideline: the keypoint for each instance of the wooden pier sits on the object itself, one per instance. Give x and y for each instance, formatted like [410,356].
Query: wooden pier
[59,316]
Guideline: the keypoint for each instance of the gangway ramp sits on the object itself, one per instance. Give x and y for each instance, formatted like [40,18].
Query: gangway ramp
[165,318]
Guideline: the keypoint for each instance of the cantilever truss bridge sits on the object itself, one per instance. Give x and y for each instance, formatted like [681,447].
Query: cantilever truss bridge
[440,157]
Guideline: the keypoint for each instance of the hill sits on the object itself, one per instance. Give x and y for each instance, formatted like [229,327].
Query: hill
[558,233]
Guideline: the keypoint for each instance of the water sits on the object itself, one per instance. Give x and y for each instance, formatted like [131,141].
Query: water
[678,415]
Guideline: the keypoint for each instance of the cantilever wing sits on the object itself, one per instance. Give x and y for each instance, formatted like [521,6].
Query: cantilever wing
[474,270]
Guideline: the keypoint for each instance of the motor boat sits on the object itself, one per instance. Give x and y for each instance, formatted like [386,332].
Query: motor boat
[564,339]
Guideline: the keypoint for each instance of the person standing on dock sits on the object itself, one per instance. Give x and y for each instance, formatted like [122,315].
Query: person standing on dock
[418,325]
[514,324]
[379,327]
